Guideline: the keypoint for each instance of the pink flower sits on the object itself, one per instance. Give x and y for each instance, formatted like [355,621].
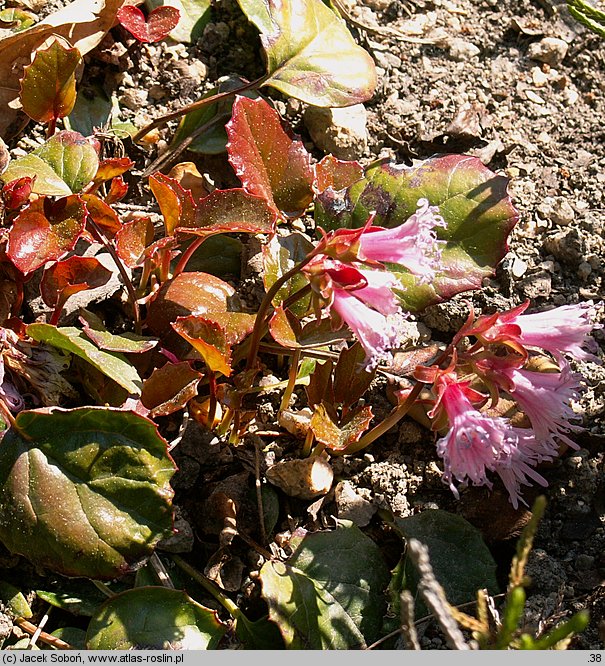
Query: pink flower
[544,397]
[562,330]
[412,244]
[363,299]
[565,329]
[477,444]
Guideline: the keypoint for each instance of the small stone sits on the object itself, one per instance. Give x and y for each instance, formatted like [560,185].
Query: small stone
[584,270]
[538,285]
[134,99]
[550,50]
[538,77]
[342,131]
[352,506]
[561,212]
[461,50]
[306,479]
[566,246]
[519,267]
[534,97]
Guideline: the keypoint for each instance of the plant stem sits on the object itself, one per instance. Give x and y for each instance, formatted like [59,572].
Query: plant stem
[125,277]
[209,586]
[194,106]
[180,267]
[294,361]
[258,330]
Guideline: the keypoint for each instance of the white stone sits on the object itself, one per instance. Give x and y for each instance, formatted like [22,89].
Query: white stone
[340,131]
[550,50]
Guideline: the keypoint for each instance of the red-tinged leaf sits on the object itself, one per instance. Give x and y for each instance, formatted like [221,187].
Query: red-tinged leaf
[16,193]
[337,437]
[286,330]
[133,239]
[45,231]
[102,215]
[184,295]
[267,160]
[213,335]
[155,27]
[176,203]
[111,168]
[310,52]
[351,379]
[335,173]
[68,277]
[48,86]
[472,199]
[234,211]
[117,190]
[320,387]
[170,388]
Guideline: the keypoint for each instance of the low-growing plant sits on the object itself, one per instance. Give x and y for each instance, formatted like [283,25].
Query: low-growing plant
[84,402]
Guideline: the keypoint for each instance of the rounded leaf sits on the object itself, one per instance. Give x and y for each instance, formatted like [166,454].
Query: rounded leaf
[153,618]
[84,492]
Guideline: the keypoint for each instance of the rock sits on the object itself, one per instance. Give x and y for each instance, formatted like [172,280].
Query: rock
[561,212]
[352,506]
[545,572]
[550,50]
[306,479]
[134,98]
[584,270]
[342,132]
[538,285]
[566,246]
[461,50]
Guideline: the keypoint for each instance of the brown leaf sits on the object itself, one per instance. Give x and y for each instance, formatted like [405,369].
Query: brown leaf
[81,22]
[306,479]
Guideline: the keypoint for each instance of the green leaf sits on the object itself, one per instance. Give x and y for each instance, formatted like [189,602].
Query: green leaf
[77,596]
[72,635]
[194,17]
[310,52]
[20,19]
[154,618]
[72,340]
[93,109]
[472,199]
[103,339]
[46,179]
[84,492]
[261,634]
[329,595]
[209,121]
[13,599]
[461,561]
[219,255]
[48,86]
[72,157]
[281,254]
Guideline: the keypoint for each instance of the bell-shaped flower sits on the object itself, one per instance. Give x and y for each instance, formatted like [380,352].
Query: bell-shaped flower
[477,443]
[545,398]
[562,330]
[362,299]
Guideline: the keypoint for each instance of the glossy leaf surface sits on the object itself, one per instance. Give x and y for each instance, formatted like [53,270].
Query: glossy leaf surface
[154,618]
[473,201]
[269,162]
[329,594]
[310,52]
[194,17]
[214,334]
[170,388]
[48,86]
[68,277]
[152,28]
[45,231]
[127,343]
[84,492]
[72,340]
